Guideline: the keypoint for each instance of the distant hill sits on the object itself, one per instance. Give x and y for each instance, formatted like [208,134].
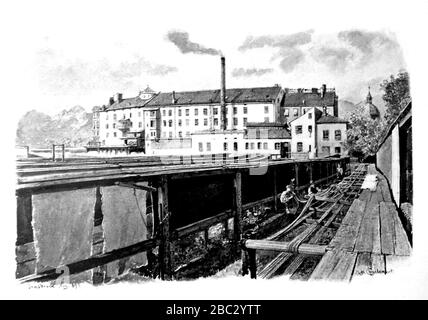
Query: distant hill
[72,127]
[345,108]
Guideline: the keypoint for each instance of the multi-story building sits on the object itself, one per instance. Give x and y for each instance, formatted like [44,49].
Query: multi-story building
[317,134]
[298,101]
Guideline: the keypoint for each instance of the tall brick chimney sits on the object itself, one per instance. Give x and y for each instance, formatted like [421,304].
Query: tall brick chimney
[223,94]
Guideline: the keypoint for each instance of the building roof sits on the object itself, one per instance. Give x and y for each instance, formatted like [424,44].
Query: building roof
[238,95]
[309,99]
[330,119]
[266,124]
[369,107]
[127,103]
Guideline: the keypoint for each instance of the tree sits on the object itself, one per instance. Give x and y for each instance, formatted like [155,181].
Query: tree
[396,89]
[363,134]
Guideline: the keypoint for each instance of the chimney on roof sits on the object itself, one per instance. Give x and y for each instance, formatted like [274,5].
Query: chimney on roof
[223,94]
[324,109]
[110,101]
[323,90]
[118,97]
[173,98]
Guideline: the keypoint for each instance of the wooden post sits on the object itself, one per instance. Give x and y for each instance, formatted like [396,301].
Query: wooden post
[296,172]
[206,237]
[252,263]
[226,228]
[28,151]
[165,257]
[311,169]
[53,152]
[275,189]
[63,152]
[237,209]
[99,273]
[25,247]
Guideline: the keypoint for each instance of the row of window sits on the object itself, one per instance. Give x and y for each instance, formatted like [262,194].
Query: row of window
[324,149]
[248,146]
[187,112]
[325,133]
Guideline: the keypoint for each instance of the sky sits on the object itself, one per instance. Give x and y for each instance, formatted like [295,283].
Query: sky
[76,54]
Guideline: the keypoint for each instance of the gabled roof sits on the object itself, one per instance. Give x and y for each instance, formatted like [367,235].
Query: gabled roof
[309,99]
[238,95]
[127,103]
[330,119]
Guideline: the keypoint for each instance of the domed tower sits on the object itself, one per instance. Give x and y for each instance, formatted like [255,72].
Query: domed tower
[370,108]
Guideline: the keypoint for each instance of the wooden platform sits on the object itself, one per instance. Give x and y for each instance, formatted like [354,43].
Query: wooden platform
[370,240]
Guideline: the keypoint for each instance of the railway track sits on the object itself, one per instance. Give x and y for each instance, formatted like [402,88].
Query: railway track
[332,203]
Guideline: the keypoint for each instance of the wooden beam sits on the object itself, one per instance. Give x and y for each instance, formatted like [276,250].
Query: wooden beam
[304,248]
[296,172]
[165,256]
[275,189]
[237,208]
[135,186]
[95,261]
[252,263]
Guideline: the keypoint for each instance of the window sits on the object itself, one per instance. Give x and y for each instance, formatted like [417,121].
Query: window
[299,146]
[205,111]
[257,133]
[139,113]
[114,134]
[153,134]
[215,111]
[304,111]
[196,112]
[107,126]
[225,146]
[245,110]
[170,134]
[252,146]
[201,147]
[114,125]
[170,123]
[196,121]
[130,115]
[295,112]
[235,146]
[180,134]
[170,113]
[152,123]
[277,146]
[107,116]
[208,146]
[180,123]
[205,122]
[338,135]
[266,109]
[216,121]
[325,151]
[247,145]
[179,112]
[266,119]
[286,112]
[187,122]
[164,112]
[187,112]
[115,117]
[140,124]
[325,134]
[310,129]
[235,121]
[310,148]
[259,145]
[298,129]
[337,150]
[245,121]
[265,145]
[310,115]
[153,113]
[235,110]
[164,123]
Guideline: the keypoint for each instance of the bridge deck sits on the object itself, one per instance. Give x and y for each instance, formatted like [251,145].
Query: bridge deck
[370,240]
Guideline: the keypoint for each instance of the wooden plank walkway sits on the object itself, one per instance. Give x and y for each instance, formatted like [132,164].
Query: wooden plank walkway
[371,239]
